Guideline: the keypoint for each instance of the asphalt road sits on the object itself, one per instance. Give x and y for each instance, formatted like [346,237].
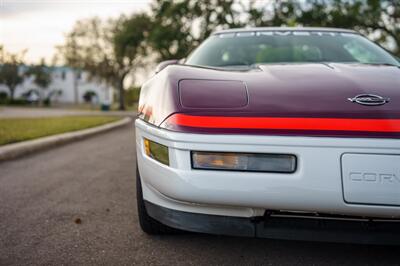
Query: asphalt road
[75,205]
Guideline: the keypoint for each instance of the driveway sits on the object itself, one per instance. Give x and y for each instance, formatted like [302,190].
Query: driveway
[75,205]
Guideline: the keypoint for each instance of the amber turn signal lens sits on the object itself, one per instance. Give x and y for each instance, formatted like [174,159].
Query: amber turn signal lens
[156,151]
[252,162]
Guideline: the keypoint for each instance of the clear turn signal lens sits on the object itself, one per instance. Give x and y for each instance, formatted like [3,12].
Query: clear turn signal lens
[252,162]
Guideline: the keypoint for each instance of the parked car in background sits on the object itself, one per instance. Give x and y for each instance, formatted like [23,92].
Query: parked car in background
[290,133]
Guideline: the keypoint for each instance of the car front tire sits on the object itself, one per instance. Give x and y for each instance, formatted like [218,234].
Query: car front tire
[148,224]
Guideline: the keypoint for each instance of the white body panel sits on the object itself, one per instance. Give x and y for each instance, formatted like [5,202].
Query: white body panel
[371,179]
[316,186]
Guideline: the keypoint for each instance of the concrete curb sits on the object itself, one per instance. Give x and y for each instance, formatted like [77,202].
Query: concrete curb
[12,151]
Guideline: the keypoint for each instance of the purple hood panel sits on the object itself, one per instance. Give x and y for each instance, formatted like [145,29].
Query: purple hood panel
[279,90]
[212,94]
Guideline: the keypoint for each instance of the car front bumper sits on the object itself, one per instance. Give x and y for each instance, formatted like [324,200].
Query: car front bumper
[281,226]
[316,186]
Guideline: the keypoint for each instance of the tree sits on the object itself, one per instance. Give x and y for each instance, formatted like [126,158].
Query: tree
[11,73]
[130,45]
[41,76]
[273,14]
[107,50]
[377,19]
[179,26]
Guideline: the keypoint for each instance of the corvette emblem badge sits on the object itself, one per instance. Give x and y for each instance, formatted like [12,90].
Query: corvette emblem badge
[369,99]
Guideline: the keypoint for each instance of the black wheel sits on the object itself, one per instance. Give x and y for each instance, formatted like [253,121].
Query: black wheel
[147,223]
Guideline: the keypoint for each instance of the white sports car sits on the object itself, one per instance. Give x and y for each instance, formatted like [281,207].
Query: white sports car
[290,133]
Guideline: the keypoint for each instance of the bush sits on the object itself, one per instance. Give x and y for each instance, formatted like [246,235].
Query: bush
[89,96]
[47,101]
[18,102]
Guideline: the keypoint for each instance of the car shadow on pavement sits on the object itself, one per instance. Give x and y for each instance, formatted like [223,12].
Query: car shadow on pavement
[224,250]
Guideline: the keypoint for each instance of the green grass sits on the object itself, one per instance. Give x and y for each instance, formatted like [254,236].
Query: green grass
[19,129]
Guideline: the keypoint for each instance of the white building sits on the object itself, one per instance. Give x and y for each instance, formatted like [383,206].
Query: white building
[67,86]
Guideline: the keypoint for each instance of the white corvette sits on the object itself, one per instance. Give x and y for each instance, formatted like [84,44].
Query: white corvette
[288,133]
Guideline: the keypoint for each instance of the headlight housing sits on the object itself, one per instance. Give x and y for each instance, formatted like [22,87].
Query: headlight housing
[252,162]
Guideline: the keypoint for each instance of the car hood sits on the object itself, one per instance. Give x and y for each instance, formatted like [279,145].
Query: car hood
[308,90]
[284,91]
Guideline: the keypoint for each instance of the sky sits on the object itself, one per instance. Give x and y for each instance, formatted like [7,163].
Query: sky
[40,25]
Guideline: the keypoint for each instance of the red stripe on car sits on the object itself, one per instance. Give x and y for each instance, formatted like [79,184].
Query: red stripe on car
[287,123]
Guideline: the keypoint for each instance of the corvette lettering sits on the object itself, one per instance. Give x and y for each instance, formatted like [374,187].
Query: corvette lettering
[374,177]
[280,33]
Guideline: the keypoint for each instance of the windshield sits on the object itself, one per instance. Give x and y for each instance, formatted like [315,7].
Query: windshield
[267,47]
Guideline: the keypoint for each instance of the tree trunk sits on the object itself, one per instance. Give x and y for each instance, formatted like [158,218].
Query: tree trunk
[75,85]
[121,94]
[12,91]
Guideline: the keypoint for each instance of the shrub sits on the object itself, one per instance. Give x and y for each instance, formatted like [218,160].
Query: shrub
[47,101]
[88,96]
[19,101]
[3,97]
